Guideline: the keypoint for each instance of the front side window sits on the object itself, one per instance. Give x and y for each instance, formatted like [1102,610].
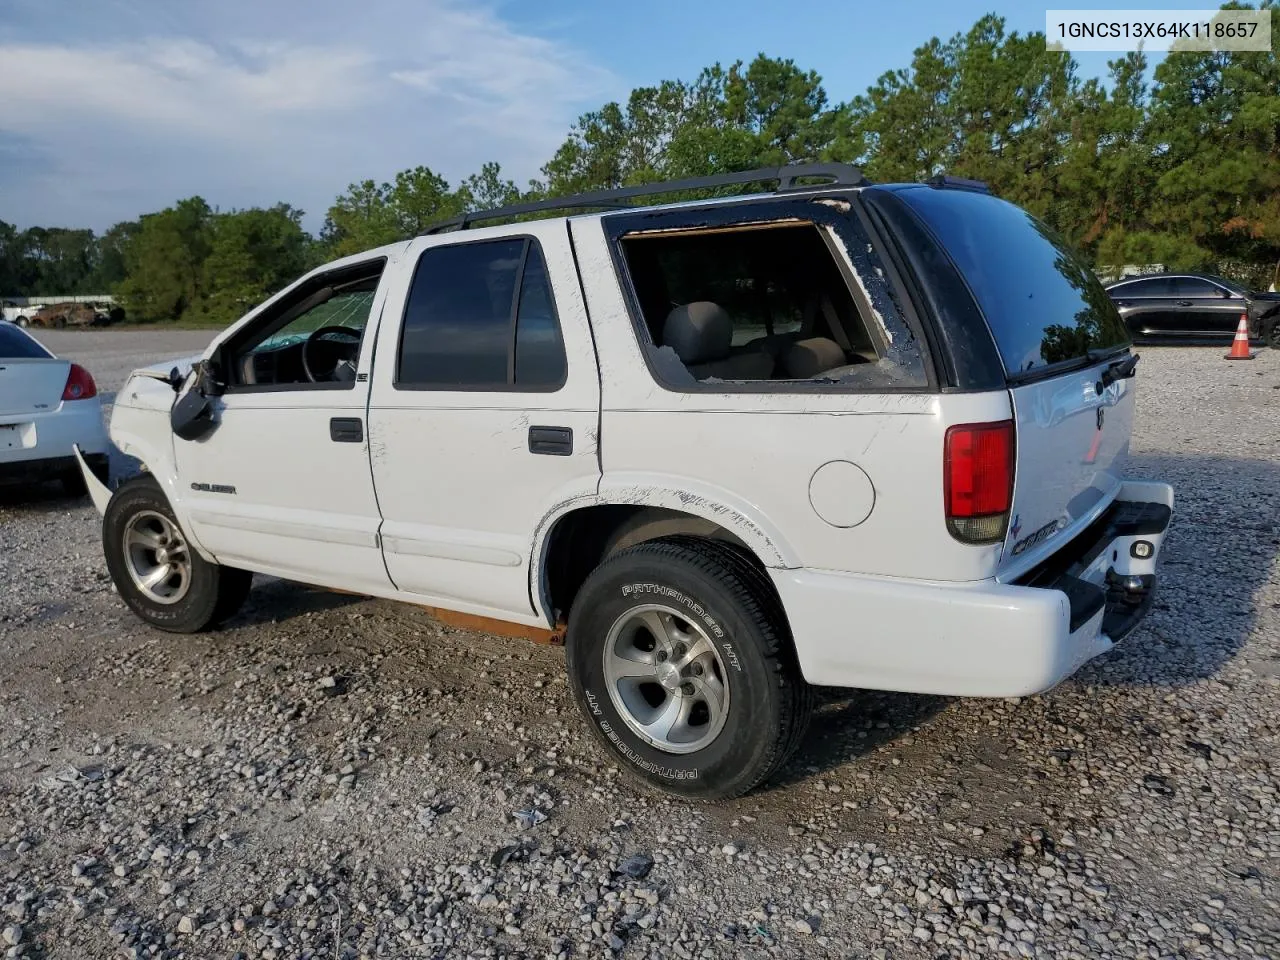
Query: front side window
[1195,287]
[312,337]
[481,316]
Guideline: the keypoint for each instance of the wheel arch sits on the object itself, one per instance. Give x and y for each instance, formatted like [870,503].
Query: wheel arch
[574,539]
[158,459]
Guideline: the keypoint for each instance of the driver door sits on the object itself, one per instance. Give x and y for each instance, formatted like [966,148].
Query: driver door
[282,484]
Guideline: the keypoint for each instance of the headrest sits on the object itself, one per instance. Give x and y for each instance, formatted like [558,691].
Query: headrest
[808,358]
[698,332]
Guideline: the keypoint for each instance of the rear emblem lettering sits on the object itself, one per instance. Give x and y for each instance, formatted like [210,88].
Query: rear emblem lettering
[1027,542]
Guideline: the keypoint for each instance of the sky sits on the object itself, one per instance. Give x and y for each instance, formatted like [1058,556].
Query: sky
[113,108]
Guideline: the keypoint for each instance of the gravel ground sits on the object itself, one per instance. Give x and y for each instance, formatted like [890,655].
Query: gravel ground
[336,777]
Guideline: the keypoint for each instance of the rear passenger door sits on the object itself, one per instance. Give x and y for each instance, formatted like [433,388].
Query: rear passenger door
[483,414]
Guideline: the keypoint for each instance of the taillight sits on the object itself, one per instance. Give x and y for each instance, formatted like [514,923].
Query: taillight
[80,385]
[977,470]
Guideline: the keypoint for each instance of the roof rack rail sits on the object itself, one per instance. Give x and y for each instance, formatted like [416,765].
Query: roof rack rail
[787,177]
[959,183]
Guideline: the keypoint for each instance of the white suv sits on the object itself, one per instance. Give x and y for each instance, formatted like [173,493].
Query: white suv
[836,433]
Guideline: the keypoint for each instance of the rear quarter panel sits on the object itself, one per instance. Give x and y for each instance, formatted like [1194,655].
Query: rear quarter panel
[749,460]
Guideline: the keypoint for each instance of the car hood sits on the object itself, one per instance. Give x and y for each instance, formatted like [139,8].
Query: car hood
[160,370]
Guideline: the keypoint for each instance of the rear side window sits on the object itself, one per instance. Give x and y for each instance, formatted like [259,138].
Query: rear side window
[481,316]
[769,303]
[1041,300]
[16,345]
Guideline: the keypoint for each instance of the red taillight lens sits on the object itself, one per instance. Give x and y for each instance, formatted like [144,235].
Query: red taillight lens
[80,385]
[977,470]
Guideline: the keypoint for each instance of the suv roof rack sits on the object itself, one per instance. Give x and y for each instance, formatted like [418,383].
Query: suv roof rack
[959,183]
[787,177]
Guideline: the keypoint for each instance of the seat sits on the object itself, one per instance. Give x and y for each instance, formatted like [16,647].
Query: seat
[775,345]
[811,357]
[701,334]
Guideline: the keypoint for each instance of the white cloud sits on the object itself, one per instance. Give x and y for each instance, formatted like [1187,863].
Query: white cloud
[244,115]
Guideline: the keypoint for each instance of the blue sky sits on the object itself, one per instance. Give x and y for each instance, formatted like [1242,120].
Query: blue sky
[112,108]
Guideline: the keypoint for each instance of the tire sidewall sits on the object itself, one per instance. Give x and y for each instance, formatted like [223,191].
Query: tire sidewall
[190,613]
[749,732]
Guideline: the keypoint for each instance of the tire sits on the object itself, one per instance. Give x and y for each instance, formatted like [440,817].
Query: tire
[23,322]
[197,596]
[59,322]
[1272,327]
[707,595]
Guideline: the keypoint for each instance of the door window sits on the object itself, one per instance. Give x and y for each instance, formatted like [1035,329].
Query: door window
[311,339]
[481,316]
[1156,287]
[1195,287]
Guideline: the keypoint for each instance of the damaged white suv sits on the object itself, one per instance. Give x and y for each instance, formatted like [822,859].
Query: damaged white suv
[833,434]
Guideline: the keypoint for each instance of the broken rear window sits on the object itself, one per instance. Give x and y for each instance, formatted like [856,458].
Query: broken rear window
[784,300]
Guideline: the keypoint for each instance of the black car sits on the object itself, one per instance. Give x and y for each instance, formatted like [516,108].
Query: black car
[1194,306]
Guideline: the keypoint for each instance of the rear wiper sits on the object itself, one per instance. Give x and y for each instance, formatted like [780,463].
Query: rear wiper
[1120,370]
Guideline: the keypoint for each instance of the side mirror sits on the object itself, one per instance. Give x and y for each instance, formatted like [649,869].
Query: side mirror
[191,416]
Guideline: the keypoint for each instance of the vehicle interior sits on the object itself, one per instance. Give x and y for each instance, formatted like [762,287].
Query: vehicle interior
[753,302]
[312,337]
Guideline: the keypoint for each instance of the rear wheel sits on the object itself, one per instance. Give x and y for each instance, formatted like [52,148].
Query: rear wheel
[681,660]
[1272,327]
[162,579]
[23,322]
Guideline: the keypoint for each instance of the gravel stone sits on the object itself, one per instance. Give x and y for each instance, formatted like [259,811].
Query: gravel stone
[335,776]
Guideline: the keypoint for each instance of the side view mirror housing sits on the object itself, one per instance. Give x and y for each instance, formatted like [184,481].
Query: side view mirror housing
[191,416]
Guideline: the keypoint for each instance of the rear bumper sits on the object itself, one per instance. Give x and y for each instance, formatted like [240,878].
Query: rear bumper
[53,434]
[984,639]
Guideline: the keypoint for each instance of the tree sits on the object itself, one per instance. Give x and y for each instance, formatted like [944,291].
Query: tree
[252,254]
[1215,132]
[766,113]
[111,268]
[13,262]
[359,219]
[165,261]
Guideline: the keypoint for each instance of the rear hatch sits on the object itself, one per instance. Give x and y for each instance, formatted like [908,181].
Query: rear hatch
[31,378]
[1061,344]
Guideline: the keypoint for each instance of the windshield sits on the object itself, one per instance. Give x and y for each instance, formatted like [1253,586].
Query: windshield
[1041,300]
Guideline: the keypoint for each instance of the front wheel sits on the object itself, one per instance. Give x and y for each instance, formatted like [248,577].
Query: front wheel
[157,573]
[680,658]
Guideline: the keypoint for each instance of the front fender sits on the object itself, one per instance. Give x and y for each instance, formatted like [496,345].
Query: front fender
[145,435]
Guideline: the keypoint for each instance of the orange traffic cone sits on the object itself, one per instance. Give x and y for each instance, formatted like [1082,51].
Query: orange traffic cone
[1240,345]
